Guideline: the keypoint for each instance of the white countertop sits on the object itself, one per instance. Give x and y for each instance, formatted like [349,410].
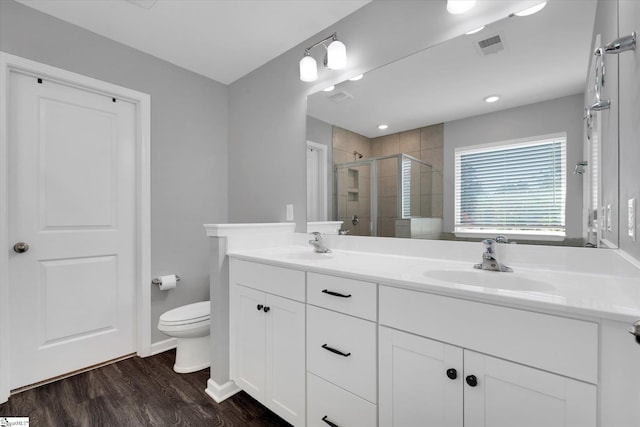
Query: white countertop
[607,296]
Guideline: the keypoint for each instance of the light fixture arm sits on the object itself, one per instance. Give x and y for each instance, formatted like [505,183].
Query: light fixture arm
[332,37]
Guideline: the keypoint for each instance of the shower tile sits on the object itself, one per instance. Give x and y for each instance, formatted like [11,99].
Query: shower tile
[410,141]
[387,186]
[390,144]
[432,137]
[339,138]
[436,206]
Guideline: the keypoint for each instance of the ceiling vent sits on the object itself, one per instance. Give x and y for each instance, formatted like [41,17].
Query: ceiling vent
[490,45]
[340,97]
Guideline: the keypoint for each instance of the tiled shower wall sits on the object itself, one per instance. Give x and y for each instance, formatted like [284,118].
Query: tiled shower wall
[424,143]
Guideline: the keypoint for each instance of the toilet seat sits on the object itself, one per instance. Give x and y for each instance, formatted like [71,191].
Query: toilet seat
[187,314]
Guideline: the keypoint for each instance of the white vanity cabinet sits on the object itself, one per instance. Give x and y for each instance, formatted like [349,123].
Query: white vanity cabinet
[451,362]
[341,352]
[267,336]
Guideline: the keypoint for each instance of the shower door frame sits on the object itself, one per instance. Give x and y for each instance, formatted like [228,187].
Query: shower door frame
[373,172]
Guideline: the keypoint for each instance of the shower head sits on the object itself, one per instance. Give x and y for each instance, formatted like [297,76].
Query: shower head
[357,154]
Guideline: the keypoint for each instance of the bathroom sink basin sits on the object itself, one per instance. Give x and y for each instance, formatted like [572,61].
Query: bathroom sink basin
[489,279]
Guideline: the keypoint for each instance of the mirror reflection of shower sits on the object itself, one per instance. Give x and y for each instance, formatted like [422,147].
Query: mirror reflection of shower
[391,196]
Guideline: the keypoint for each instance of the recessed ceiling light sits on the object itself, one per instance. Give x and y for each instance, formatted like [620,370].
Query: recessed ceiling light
[455,7]
[383,127]
[531,10]
[356,78]
[329,89]
[477,30]
[491,98]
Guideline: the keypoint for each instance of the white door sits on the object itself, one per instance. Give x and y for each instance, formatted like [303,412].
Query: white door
[285,358]
[249,341]
[420,381]
[507,394]
[72,200]
[317,193]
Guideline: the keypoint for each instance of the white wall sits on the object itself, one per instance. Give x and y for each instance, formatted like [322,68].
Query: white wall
[188,140]
[558,115]
[267,108]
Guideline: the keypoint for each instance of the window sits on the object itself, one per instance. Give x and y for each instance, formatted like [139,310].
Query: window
[515,187]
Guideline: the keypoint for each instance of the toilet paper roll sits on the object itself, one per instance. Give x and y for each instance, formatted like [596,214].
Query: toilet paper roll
[168,282]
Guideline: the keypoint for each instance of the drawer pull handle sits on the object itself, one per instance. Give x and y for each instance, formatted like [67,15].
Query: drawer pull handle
[329,422]
[266,309]
[333,350]
[259,307]
[336,294]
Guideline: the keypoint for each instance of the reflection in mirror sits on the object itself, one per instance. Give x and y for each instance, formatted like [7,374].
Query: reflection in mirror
[407,180]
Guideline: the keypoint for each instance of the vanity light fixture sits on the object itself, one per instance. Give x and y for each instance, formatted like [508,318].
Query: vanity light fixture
[356,78]
[329,89]
[335,58]
[531,10]
[477,30]
[456,7]
[383,127]
[491,98]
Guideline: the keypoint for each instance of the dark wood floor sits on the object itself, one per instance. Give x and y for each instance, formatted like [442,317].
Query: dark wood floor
[135,392]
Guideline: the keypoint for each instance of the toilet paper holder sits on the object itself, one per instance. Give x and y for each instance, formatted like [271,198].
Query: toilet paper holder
[157,281]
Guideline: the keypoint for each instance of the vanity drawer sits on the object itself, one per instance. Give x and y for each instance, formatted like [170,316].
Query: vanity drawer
[280,281]
[348,296]
[327,331]
[557,344]
[337,405]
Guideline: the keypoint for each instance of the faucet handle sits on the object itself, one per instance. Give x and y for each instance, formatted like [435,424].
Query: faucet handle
[488,245]
[502,239]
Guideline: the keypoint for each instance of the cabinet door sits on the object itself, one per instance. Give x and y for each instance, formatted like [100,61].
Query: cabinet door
[249,341]
[285,358]
[508,394]
[415,388]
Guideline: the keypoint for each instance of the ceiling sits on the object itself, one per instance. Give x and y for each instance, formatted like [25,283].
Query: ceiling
[220,39]
[545,56]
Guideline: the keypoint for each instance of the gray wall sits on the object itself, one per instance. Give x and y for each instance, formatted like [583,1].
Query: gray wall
[629,122]
[188,140]
[558,115]
[267,108]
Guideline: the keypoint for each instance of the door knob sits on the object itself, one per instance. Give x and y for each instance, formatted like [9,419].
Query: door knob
[20,247]
[452,374]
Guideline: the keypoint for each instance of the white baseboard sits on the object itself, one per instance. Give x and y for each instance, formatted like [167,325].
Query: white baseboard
[162,346]
[222,392]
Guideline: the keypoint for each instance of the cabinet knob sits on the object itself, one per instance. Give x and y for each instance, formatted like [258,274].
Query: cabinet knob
[259,307]
[452,374]
[266,309]
[472,380]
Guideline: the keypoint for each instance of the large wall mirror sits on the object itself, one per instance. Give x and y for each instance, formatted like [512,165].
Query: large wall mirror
[447,157]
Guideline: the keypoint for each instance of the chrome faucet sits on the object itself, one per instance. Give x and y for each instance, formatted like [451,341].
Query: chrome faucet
[318,245]
[490,259]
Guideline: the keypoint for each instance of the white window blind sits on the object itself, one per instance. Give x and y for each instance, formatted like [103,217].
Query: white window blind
[517,187]
[405,164]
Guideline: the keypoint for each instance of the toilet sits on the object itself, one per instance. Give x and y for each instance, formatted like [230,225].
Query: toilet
[190,325]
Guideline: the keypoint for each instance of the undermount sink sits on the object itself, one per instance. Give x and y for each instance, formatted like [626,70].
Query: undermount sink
[489,279]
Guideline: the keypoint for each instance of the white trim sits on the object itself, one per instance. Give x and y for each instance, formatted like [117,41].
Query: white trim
[142,102]
[221,392]
[324,227]
[513,143]
[162,346]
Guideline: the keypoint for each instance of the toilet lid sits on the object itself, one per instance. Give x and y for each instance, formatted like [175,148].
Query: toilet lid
[190,313]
